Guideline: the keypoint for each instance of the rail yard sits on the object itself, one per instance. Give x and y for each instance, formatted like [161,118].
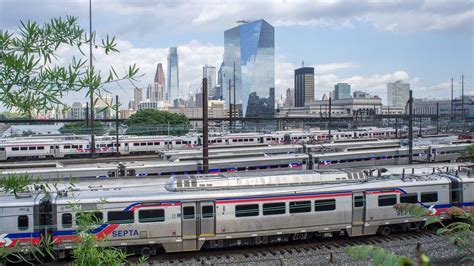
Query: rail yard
[291,196]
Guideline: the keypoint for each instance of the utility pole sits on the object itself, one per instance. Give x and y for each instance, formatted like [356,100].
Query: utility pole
[452,97]
[92,151]
[230,108]
[410,128]
[437,118]
[117,125]
[87,114]
[462,105]
[329,123]
[205,128]
[234,93]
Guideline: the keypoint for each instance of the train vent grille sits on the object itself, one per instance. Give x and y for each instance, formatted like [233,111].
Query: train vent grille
[223,181]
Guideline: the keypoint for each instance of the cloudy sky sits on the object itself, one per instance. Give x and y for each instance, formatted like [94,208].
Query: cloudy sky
[364,43]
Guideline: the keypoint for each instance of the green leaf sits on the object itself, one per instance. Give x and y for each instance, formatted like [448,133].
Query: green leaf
[432,220]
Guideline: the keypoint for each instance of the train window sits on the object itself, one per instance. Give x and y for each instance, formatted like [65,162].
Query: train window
[150,143]
[409,198]
[109,145]
[429,197]
[157,143]
[188,212]
[207,211]
[252,168]
[300,206]
[23,222]
[15,149]
[96,217]
[387,200]
[136,144]
[324,205]
[40,148]
[23,148]
[75,146]
[66,220]
[120,217]
[143,144]
[31,148]
[246,210]
[274,208]
[2,149]
[358,201]
[151,216]
[67,147]
[178,142]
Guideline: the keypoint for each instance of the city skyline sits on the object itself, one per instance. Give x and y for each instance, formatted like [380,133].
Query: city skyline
[361,44]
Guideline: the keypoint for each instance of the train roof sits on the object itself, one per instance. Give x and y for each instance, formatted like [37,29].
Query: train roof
[158,192]
[382,151]
[24,199]
[356,143]
[231,150]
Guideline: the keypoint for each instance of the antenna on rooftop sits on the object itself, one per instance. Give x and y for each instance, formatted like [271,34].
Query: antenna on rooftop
[242,21]
[302,63]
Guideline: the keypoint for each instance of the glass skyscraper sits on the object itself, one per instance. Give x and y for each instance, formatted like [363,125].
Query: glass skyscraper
[250,47]
[342,91]
[173,77]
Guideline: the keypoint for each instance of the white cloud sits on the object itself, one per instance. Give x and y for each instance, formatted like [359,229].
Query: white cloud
[192,56]
[138,17]
[331,67]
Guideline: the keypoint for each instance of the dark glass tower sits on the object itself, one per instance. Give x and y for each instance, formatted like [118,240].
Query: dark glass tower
[251,48]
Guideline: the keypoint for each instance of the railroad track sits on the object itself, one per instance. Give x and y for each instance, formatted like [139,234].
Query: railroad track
[315,251]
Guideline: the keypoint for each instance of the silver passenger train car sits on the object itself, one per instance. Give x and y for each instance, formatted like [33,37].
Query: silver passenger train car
[21,148]
[251,162]
[192,212]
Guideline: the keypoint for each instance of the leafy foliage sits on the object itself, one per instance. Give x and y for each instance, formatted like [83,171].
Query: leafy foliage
[44,250]
[469,153]
[15,183]
[91,250]
[460,232]
[82,128]
[154,122]
[379,256]
[30,77]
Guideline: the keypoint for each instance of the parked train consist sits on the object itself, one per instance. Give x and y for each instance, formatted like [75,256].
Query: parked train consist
[76,146]
[256,162]
[192,212]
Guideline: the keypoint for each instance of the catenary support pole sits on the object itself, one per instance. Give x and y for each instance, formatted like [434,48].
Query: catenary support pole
[92,126]
[329,123]
[205,128]
[230,107]
[117,143]
[410,128]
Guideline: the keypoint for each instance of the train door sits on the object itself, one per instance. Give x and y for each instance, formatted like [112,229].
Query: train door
[56,152]
[358,213]
[198,221]
[189,226]
[207,220]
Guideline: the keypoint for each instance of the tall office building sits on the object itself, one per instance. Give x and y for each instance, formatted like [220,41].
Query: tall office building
[250,47]
[290,98]
[173,76]
[209,72]
[137,97]
[304,86]
[398,93]
[342,91]
[160,75]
